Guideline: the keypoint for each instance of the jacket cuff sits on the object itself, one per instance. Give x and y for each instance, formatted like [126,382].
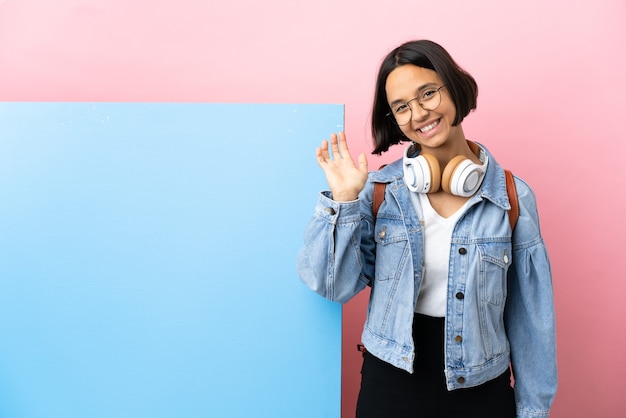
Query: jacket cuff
[525,413]
[337,212]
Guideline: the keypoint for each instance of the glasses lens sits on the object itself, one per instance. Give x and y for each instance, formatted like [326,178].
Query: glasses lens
[404,117]
[431,99]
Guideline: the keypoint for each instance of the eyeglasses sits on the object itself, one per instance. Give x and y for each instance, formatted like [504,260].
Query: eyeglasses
[429,99]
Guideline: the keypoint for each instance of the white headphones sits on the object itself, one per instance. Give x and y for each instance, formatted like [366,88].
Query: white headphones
[461,176]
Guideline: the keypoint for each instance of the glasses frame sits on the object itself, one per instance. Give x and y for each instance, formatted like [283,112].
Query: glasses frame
[408,104]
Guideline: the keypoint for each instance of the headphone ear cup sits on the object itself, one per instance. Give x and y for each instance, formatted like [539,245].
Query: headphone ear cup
[462,177]
[421,173]
[448,172]
[435,172]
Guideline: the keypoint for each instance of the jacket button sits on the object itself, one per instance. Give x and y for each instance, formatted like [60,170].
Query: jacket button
[462,251]
[461,380]
[458,338]
[330,211]
[460,295]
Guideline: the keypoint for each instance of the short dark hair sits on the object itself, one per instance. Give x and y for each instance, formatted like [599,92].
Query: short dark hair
[426,54]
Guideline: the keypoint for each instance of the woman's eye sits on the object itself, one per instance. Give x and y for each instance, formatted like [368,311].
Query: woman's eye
[401,108]
[428,94]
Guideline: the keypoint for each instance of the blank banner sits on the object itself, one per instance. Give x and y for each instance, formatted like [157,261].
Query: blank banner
[147,262]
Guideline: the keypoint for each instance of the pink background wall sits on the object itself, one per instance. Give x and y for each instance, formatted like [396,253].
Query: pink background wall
[551,103]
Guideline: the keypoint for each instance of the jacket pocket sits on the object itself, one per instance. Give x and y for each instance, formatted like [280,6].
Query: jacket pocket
[494,262]
[391,248]
[392,254]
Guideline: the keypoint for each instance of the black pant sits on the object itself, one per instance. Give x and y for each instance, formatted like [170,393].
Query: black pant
[389,392]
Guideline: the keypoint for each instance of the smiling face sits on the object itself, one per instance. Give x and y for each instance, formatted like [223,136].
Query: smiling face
[429,128]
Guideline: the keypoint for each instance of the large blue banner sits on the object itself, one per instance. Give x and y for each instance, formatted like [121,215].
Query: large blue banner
[147,262]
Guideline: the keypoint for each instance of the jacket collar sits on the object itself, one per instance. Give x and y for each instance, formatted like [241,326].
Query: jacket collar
[493,187]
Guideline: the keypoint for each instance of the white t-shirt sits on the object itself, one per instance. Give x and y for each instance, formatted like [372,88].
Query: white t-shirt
[432,298]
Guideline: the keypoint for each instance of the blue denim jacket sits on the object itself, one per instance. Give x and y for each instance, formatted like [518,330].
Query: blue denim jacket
[500,299]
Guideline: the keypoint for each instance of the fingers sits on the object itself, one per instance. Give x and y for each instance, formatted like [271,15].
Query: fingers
[322,152]
[335,149]
[335,146]
[338,145]
[343,143]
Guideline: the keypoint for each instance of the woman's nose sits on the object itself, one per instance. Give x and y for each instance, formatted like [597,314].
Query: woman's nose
[417,111]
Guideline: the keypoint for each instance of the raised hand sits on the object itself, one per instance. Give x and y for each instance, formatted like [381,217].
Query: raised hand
[345,179]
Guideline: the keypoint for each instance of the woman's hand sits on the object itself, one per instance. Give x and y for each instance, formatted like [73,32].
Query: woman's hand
[345,179]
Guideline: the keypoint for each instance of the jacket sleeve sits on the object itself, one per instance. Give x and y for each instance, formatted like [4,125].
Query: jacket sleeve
[529,314]
[338,244]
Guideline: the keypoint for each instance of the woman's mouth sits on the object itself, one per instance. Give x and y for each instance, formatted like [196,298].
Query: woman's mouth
[428,128]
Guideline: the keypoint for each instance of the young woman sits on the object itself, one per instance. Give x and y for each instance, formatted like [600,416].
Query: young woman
[457,298]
